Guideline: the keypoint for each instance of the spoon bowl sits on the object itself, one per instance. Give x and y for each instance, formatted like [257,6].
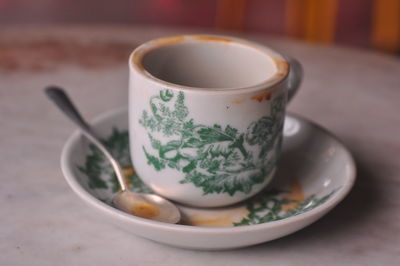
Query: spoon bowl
[147,206]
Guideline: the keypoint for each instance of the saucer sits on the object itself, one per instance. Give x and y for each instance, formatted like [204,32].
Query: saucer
[315,172]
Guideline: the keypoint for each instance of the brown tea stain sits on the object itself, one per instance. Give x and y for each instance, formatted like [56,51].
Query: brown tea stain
[128,172]
[265,96]
[169,40]
[219,222]
[296,194]
[145,210]
[206,38]
[222,220]
[280,74]
[239,101]
[137,60]
[282,66]
[50,53]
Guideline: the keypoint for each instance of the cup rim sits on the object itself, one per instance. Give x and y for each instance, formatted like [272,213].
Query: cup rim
[281,63]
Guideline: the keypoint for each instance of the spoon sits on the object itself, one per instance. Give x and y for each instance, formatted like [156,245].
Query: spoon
[148,206]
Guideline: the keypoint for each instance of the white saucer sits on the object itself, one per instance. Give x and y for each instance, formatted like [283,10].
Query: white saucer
[314,174]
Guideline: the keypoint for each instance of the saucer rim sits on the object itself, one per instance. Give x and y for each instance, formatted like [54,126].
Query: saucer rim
[319,211]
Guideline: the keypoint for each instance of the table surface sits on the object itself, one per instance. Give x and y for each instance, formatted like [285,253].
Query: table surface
[355,94]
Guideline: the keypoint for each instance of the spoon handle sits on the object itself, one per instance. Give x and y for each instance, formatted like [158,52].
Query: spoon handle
[62,101]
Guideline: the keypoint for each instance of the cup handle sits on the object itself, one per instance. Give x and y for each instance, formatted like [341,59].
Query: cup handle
[295,77]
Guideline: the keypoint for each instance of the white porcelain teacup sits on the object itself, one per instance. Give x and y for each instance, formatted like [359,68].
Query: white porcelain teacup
[206,116]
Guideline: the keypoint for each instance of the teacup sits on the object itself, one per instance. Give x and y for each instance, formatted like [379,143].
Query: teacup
[206,116]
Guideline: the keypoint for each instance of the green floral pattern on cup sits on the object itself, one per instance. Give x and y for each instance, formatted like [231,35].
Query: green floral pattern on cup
[216,158]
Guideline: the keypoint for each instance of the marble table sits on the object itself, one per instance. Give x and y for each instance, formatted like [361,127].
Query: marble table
[353,93]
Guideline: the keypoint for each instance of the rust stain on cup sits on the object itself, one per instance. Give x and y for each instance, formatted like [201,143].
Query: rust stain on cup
[282,67]
[264,96]
[169,40]
[211,38]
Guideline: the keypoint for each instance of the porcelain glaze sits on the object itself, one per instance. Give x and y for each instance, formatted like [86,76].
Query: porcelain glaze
[314,174]
[206,117]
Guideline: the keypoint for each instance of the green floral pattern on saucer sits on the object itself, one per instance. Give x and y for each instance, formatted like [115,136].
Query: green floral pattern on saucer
[267,206]
[270,207]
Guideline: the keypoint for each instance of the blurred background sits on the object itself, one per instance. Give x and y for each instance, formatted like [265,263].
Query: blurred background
[372,24]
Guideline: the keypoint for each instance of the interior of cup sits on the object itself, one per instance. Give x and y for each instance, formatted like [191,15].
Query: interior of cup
[210,64]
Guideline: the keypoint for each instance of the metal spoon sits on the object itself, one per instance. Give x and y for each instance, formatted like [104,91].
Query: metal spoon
[139,204]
